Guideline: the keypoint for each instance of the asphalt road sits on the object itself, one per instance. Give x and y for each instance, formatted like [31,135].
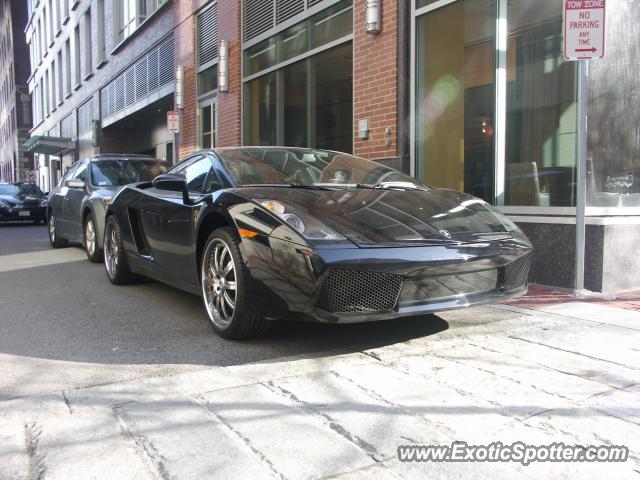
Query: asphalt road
[64,326]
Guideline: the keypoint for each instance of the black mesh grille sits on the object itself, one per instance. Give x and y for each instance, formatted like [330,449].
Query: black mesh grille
[345,291]
[514,275]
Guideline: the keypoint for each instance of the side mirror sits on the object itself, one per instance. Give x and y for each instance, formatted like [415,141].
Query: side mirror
[173,183]
[74,183]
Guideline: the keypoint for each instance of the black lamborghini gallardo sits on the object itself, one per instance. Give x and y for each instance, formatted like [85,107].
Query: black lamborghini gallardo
[264,233]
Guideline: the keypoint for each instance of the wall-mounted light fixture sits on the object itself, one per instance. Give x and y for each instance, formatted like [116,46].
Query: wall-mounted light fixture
[179,95]
[373,17]
[223,66]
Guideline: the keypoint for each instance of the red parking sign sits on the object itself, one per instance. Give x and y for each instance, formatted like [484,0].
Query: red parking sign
[173,121]
[584,27]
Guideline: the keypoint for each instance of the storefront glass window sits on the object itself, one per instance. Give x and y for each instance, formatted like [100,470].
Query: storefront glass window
[333,106]
[308,103]
[295,104]
[260,111]
[333,23]
[455,94]
[613,158]
[260,56]
[541,108]
[293,41]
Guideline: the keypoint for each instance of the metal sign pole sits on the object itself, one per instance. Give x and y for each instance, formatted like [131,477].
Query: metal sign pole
[581,176]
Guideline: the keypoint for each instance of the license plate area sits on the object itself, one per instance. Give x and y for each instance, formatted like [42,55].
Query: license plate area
[24,213]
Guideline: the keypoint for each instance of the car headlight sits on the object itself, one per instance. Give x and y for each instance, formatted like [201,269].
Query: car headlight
[4,204]
[106,201]
[303,223]
[518,234]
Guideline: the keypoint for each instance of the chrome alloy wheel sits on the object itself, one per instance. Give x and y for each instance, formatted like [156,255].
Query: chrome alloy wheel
[111,251]
[90,237]
[52,228]
[219,283]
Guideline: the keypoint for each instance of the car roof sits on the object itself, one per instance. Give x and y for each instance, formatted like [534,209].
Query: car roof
[121,156]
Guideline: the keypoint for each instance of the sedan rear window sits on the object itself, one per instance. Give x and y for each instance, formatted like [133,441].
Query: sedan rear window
[113,173]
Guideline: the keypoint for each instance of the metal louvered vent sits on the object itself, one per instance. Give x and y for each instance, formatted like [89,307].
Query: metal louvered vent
[514,275]
[347,291]
[66,127]
[165,63]
[311,3]
[285,9]
[85,116]
[152,66]
[258,17]
[141,78]
[208,35]
[129,81]
[146,75]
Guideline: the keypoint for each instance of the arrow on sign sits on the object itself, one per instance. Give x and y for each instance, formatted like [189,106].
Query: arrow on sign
[592,49]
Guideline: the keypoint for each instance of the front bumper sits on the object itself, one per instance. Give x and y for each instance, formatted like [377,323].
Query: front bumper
[347,285]
[22,213]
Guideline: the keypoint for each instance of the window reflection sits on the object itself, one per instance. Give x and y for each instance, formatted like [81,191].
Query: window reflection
[455,97]
[541,108]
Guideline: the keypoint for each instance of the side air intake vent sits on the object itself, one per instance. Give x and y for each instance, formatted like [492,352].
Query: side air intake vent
[514,275]
[345,291]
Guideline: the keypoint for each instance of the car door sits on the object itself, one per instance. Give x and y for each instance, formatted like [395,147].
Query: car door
[72,210]
[57,199]
[168,222]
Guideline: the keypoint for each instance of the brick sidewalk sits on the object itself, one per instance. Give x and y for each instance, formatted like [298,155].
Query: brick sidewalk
[540,298]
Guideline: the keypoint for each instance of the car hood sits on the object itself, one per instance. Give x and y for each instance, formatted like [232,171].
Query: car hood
[21,199]
[373,217]
[107,192]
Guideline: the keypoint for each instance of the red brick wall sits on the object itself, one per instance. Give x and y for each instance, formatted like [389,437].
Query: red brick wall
[229,104]
[375,81]
[185,55]
[229,118]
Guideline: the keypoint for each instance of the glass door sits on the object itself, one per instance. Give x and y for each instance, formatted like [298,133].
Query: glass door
[455,96]
[208,124]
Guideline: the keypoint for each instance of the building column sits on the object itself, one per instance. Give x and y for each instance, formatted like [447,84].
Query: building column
[375,83]
[230,103]
[185,55]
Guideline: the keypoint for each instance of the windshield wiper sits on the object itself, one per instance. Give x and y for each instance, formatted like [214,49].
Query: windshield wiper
[388,186]
[304,186]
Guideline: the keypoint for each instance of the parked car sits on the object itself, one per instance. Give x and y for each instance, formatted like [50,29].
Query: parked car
[77,206]
[22,201]
[270,233]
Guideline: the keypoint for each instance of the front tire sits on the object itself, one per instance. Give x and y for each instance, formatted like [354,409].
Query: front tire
[225,289]
[115,259]
[54,238]
[90,240]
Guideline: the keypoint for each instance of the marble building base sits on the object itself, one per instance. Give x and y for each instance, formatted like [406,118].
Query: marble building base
[612,262]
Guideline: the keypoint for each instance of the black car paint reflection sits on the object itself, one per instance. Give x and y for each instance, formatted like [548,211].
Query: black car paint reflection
[443,249]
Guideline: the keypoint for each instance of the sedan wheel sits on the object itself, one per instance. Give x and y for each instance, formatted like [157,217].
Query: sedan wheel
[90,240]
[54,238]
[226,288]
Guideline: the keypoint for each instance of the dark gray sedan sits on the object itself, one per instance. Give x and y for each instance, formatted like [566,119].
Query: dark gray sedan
[77,205]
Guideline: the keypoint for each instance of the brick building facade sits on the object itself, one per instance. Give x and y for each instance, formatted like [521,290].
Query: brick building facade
[15,106]
[473,95]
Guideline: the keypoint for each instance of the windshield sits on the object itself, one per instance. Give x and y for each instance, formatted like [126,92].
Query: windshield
[268,166]
[26,189]
[112,173]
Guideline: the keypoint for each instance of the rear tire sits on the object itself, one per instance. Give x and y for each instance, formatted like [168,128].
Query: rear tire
[54,238]
[115,258]
[226,290]
[90,240]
